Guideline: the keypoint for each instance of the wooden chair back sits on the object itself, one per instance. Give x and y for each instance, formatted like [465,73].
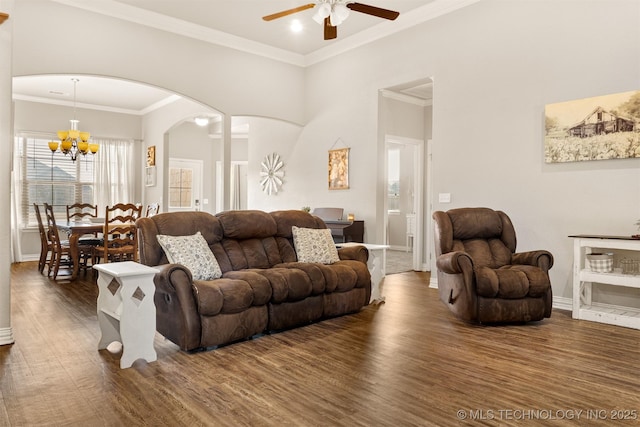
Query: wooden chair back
[80,211]
[52,228]
[120,233]
[152,209]
[45,242]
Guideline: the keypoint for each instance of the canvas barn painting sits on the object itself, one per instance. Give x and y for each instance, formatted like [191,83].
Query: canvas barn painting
[598,128]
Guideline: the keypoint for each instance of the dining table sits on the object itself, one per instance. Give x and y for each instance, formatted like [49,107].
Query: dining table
[75,230]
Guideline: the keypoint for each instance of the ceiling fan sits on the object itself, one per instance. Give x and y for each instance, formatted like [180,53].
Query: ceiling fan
[332,13]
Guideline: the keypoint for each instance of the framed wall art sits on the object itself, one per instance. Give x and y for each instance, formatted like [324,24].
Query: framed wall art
[339,169]
[150,176]
[598,128]
[151,155]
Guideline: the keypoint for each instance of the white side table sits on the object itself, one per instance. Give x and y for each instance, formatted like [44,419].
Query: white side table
[377,264]
[126,311]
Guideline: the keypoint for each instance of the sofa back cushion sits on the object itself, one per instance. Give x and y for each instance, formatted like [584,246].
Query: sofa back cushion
[174,224]
[238,239]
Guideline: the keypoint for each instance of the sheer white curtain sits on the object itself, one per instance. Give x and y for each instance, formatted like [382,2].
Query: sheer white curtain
[113,173]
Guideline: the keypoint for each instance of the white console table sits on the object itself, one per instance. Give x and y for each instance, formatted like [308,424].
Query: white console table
[126,311]
[583,278]
[377,264]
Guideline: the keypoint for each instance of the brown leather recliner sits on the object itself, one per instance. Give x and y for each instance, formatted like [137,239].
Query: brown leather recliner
[481,278]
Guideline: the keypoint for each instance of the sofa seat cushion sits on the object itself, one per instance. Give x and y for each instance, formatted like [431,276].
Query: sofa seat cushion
[363,275]
[223,296]
[340,277]
[260,284]
[511,282]
[287,284]
[313,272]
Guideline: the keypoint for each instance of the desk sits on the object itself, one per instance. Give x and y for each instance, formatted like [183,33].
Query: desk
[75,229]
[346,231]
[377,264]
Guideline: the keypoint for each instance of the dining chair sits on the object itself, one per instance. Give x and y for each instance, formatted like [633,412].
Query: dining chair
[80,211]
[61,248]
[45,243]
[120,242]
[152,209]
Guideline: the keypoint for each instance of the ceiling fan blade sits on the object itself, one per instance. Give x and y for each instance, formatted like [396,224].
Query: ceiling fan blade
[330,32]
[288,12]
[372,10]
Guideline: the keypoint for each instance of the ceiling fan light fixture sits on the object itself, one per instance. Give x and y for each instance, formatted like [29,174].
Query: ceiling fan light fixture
[339,13]
[323,10]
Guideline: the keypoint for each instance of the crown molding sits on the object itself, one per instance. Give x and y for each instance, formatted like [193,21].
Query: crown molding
[187,29]
[166,23]
[166,101]
[386,28]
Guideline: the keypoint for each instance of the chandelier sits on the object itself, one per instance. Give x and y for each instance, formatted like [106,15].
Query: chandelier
[73,141]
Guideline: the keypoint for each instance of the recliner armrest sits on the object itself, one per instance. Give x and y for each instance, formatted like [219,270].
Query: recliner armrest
[539,258]
[175,300]
[454,262]
[358,253]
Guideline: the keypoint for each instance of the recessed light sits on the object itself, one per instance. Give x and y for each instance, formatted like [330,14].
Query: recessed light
[296,26]
[202,121]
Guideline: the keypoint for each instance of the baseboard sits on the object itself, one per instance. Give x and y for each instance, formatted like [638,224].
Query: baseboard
[562,303]
[433,282]
[6,336]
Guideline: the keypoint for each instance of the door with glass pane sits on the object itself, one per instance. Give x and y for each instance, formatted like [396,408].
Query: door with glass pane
[185,185]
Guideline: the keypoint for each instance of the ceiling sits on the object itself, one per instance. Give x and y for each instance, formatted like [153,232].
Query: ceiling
[234,23]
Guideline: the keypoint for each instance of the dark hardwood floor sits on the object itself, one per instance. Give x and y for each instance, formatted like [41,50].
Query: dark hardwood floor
[406,362]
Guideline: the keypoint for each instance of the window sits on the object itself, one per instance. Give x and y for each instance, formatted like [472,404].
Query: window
[180,187]
[53,179]
[393,183]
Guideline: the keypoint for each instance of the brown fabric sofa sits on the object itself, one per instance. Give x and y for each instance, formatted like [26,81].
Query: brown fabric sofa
[481,277]
[262,289]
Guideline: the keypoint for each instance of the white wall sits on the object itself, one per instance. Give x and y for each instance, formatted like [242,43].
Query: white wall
[267,136]
[229,81]
[495,65]
[6,139]
[189,141]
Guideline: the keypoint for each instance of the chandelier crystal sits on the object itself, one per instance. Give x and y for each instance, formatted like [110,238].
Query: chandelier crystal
[73,141]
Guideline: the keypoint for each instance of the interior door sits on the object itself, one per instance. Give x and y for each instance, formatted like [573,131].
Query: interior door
[185,185]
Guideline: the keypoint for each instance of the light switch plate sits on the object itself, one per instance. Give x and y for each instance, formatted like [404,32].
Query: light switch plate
[444,197]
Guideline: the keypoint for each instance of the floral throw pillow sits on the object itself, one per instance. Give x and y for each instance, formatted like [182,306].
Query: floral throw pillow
[314,245]
[193,252]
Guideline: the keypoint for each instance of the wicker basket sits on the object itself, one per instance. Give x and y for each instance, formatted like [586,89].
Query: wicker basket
[600,262]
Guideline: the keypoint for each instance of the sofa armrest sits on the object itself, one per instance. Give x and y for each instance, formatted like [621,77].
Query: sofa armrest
[540,258]
[177,315]
[356,252]
[454,262]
